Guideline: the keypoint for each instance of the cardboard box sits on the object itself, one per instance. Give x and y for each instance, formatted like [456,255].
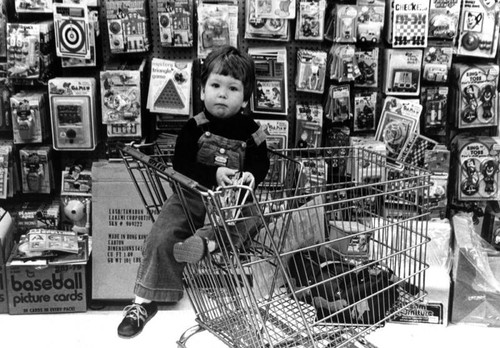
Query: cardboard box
[6,241]
[52,289]
[120,223]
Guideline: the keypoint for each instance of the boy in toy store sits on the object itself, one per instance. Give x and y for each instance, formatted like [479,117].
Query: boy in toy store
[227,80]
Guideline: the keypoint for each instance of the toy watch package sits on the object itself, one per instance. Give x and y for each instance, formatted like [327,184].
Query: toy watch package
[475,95]
[128,26]
[175,20]
[479,29]
[402,71]
[121,98]
[29,117]
[477,160]
[170,87]
[276,29]
[311,71]
[408,23]
[73,110]
[310,20]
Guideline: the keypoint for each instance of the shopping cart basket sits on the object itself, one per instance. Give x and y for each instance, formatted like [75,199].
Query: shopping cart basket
[335,246]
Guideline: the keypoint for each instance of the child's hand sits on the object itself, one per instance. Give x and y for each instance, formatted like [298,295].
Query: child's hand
[248,179]
[224,176]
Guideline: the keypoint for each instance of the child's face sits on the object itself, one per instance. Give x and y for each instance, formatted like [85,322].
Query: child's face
[223,95]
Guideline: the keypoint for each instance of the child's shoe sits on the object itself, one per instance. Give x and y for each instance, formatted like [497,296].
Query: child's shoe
[136,316]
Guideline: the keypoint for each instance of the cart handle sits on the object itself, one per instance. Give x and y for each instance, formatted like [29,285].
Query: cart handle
[160,166]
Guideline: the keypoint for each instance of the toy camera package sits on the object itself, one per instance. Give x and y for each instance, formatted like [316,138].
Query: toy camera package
[475,95]
[477,158]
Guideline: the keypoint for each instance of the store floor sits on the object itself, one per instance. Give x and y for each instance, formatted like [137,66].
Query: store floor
[97,328]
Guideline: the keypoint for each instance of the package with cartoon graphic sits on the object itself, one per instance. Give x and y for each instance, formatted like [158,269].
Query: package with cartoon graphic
[29,117]
[73,110]
[121,98]
[477,158]
[479,28]
[475,95]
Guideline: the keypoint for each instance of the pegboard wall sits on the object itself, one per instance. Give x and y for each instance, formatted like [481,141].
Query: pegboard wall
[190,53]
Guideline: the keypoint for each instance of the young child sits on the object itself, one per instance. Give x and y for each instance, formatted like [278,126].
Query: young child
[205,151]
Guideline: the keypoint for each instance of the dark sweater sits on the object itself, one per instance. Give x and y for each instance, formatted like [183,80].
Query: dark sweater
[238,127]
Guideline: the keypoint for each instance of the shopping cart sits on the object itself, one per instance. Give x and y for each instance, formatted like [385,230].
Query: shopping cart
[334,247]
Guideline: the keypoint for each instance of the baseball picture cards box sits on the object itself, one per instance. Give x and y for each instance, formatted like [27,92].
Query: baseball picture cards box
[6,240]
[49,289]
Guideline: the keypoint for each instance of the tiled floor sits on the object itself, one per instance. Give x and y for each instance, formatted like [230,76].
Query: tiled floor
[97,328]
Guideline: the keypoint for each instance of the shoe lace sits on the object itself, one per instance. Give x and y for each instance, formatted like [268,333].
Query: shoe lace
[136,312]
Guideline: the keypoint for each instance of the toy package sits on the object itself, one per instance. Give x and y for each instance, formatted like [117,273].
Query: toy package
[29,117]
[402,75]
[271,93]
[27,54]
[5,161]
[370,21]
[310,20]
[121,98]
[479,29]
[33,6]
[344,66]
[170,87]
[217,26]
[276,29]
[367,60]
[408,23]
[73,110]
[477,163]
[345,19]
[437,63]
[93,32]
[36,169]
[475,95]
[365,106]
[338,104]
[443,19]
[398,121]
[311,71]
[128,26]
[276,9]
[71,28]
[309,125]
[175,20]
[435,110]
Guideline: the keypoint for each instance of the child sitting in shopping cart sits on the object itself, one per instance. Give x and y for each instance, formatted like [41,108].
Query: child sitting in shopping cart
[211,148]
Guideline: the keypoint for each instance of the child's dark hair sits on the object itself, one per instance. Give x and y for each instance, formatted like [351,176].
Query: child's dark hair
[229,61]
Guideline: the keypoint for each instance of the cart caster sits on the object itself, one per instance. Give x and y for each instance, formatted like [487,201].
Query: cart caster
[181,343]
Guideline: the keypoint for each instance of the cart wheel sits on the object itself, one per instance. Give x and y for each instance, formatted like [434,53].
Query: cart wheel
[181,343]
